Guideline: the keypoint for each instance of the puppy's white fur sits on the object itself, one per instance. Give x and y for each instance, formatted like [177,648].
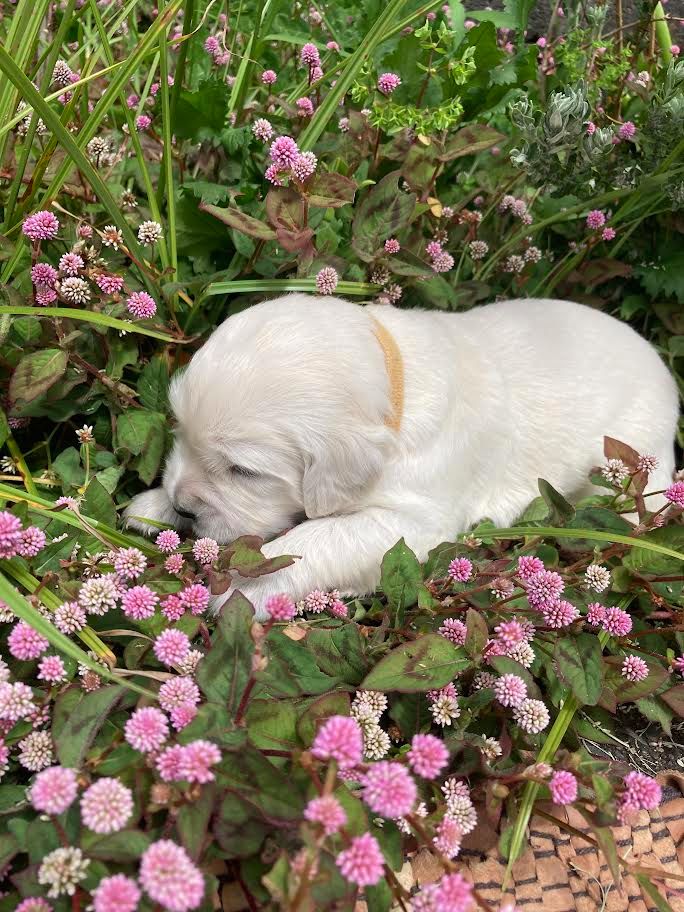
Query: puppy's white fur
[296,390]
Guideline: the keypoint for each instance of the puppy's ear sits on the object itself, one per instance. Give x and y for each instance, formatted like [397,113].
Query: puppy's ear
[342,467]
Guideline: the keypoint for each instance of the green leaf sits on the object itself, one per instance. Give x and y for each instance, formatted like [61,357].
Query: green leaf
[383,212]
[579,664]
[261,784]
[331,190]
[223,673]
[470,140]
[193,819]
[379,897]
[339,652]
[428,663]
[245,557]
[124,846]
[606,840]
[143,434]
[240,221]
[412,714]
[292,670]
[153,384]
[67,466]
[317,711]
[654,709]
[78,717]
[4,428]
[236,829]
[272,724]
[408,264]
[36,373]
[664,278]
[653,893]
[640,560]
[88,316]
[477,635]
[560,511]
[99,504]
[401,576]
[674,697]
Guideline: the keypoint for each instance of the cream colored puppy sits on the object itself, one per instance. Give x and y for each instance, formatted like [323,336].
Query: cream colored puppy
[354,426]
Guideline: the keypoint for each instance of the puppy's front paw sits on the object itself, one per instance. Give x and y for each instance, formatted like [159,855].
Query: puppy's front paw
[153,504]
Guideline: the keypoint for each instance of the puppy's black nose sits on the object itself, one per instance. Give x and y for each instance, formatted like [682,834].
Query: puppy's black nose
[185,514]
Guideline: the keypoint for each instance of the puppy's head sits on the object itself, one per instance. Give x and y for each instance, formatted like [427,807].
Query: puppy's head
[280,416]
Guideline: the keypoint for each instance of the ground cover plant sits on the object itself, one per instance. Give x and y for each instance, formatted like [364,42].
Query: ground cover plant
[163,167]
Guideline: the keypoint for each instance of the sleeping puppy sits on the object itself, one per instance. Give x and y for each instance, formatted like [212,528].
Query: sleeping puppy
[355,426]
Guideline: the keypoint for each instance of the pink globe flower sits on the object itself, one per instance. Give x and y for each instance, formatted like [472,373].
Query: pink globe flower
[32,542]
[167,541]
[10,535]
[41,226]
[596,614]
[617,622]
[339,739]
[169,877]
[280,607]
[453,893]
[109,284]
[34,904]
[51,669]
[510,633]
[448,836]
[174,563]
[181,716]
[675,494]
[361,863]
[608,234]
[326,811]
[428,756]
[196,760]
[195,598]
[107,806]
[305,107]
[559,614]
[212,45]
[675,50]
[205,551]
[43,274]
[169,762]
[139,603]
[71,264]
[326,280]
[388,83]
[543,588]
[460,569]
[392,245]
[45,297]
[634,669]
[389,790]
[147,729]
[304,166]
[563,787]
[16,701]
[25,643]
[510,690]
[262,129]
[171,647]
[627,130]
[171,608]
[596,219]
[179,691]
[117,893]
[143,122]
[268,77]
[54,790]
[528,565]
[309,55]
[130,563]
[284,152]
[641,792]
[141,305]
[453,630]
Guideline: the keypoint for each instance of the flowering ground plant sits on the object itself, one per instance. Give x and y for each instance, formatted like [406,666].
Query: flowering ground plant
[154,754]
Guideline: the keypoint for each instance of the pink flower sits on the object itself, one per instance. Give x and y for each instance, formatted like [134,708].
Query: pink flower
[280,607]
[174,563]
[362,863]
[388,82]
[460,568]
[608,234]
[117,893]
[305,106]
[617,622]
[433,249]
[428,756]
[36,904]
[205,551]
[326,280]
[510,690]
[596,219]
[171,608]
[25,643]
[392,245]
[454,630]
[171,646]
[109,284]
[169,763]
[167,541]
[675,494]
[180,691]
[169,877]
[132,101]
[129,563]
[559,614]
[541,42]
[106,806]
[10,534]
[510,633]
[338,609]
[531,715]
[45,296]
[69,617]
[634,668]
[678,664]
[641,792]
[43,274]
[309,55]
[443,262]
[339,739]
[141,305]
[544,587]
[195,598]
[147,729]
[211,45]
[262,129]
[304,166]
[627,130]
[143,122]
[591,128]
[528,565]
[284,152]
[182,716]
[32,542]
[334,46]
[563,787]
[139,603]
[326,811]
[272,175]
[675,50]
[71,264]
[53,790]
[51,669]
[389,790]
[596,614]
[41,226]
[268,77]
[196,759]
[448,837]
[453,893]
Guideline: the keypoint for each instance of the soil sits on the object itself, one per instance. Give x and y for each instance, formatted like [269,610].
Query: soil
[641,744]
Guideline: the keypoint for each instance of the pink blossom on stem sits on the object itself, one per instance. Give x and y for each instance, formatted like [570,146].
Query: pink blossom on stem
[388,83]
[453,630]
[54,790]
[41,226]
[634,669]
[117,893]
[170,878]
[268,77]
[617,622]
[362,862]
[141,305]
[326,280]
[147,729]
[327,812]
[25,643]
[528,565]
[510,690]
[428,756]
[195,598]
[167,541]
[339,739]
[280,607]
[139,603]
[596,219]
[460,569]
[106,806]
[10,534]
[171,646]
[389,790]
[675,494]
[563,787]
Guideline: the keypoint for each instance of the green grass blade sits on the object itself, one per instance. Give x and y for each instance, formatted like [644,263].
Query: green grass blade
[241,286]
[348,74]
[88,316]
[244,73]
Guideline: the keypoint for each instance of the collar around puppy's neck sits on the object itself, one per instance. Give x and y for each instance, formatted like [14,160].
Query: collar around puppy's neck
[395,373]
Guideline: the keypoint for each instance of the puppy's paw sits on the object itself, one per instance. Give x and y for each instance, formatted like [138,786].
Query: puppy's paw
[153,504]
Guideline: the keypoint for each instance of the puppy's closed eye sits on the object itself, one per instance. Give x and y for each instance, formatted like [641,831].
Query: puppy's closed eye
[243,472]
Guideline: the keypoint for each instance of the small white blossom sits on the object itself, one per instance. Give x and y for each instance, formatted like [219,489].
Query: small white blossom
[62,870]
[597,577]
